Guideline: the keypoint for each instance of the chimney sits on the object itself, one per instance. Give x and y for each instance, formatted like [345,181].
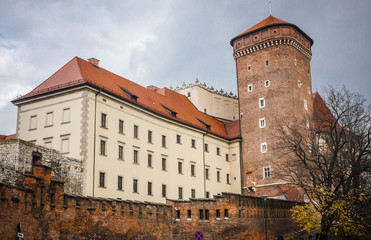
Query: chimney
[94,61]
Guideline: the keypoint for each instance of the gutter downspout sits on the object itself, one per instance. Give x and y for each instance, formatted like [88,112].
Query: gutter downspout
[95,137]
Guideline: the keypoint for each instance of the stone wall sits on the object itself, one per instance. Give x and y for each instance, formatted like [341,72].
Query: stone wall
[15,161]
[42,210]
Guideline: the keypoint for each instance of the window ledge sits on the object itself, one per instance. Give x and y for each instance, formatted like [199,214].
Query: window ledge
[65,122]
[47,126]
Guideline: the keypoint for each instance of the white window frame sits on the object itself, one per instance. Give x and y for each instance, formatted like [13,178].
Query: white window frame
[48,140]
[261,100]
[262,123]
[268,170]
[250,88]
[305,105]
[263,147]
[267,83]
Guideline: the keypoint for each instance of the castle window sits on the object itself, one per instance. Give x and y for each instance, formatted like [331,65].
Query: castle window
[163,141]
[102,177]
[149,188]
[136,128]
[227,157]
[305,105]
[249,68]
[189,212]
[119,182]
[308,90]
[267,172]
[49,119]
[135,185]
[217,214]
[163,192]
[193,194]
[206,214]
[65,143]
[180,167]
[103,120]
[249,88]
[263,147]
[218,175]
[193,167]
[218,151]
[228,180]
[149,160]
[163,163]
[267,83]
[206,147]
[178,139]
[307,124]
[180,192]
[262,123]
[103,147]
[226,213]
[266,63]
[66,114]
[207,173]
[261,102]
[149,136]
[178,215]
[121,151]
[188,94]
[193,143]
[207,194]
[135,156]
[48,142]
[299,83]
[121,126]
[295,62]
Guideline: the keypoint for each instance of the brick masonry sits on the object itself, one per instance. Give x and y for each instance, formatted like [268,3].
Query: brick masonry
[45,211]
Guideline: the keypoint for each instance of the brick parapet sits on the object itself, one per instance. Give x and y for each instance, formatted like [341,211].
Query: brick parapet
[47,212]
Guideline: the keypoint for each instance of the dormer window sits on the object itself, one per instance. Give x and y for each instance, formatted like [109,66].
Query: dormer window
[207,126]
[129,94]
[171,112]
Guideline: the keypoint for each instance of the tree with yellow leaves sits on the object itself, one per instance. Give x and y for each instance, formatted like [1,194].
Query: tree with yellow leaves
[331,162]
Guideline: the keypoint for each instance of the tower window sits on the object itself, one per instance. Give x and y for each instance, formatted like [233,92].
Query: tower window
[307,124]
[249,88]
[267,172]
[305,105]
[299,83]
[249,68]
[267,83]
[266,63]
[295,62]
[263,147]
[261,102]
[262,123]
[308,90]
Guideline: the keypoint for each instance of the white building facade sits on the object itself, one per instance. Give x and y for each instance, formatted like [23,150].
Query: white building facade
[136,146]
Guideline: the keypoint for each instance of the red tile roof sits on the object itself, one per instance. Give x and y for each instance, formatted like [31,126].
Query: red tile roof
[161,101]
[292,193]
[322,115]
[266,22]
[7,137]
[270,21]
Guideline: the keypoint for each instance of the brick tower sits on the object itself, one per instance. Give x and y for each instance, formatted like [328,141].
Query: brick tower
[274,84]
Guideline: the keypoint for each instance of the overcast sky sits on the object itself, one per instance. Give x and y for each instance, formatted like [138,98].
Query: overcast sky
[166,42]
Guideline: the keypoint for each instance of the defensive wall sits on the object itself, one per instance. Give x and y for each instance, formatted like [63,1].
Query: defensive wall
[40,209]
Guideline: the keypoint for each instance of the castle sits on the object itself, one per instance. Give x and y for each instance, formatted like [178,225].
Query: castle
[153,144]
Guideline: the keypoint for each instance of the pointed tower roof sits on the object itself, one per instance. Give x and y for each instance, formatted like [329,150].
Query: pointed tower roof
[270,22]
[78,72]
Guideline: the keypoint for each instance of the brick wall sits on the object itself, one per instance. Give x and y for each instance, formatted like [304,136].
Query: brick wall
[45,211]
